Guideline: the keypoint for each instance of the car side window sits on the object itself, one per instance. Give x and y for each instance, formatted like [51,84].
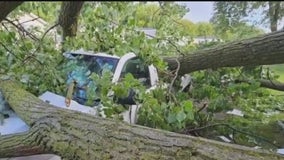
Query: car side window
[138,69]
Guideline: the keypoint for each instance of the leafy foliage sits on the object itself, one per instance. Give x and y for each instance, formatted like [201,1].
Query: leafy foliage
[111,27]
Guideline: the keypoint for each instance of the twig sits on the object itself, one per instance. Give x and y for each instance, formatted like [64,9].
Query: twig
[203,107]
[176,74]
[166,13]
[38,47]
[21,37]
[234,129]
[177,49]
[152,19]
[21,28]
[49,29]
[29,20]
[23,60]
[7,49]
[15,42]
[170,93]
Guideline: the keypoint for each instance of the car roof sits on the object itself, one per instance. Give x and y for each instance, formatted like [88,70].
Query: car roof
[91,53]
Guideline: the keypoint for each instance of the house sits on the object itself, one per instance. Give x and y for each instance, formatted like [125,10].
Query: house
[204,39]
[151,33]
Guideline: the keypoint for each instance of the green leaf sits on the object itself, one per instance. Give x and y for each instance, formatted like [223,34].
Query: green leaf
[187,105]
[29,45]
[171,118]
[190,116]
[181,116]
[108,112]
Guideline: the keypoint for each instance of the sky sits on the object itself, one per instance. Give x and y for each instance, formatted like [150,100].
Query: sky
[199,11]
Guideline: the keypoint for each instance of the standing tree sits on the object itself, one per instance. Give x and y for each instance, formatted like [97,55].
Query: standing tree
[230,13]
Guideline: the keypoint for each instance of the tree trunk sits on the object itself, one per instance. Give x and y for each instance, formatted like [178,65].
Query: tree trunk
[68,18]
[74,135]
[262,50]
[274,11]
[7,7]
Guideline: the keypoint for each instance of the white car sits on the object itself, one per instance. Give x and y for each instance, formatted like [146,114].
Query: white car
[95,63]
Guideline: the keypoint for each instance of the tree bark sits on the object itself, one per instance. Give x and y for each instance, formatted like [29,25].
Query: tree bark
[271,84]
[68,18]
[261,50]
[75,135]
[274,11]
[7,7]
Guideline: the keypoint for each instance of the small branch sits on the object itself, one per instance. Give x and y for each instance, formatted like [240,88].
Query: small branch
[177,49]
[40,42]
[22,39]
[21,28]
[49,29]
[176,74]
[152,19]
[203,107]
[8,50]
[170,93]
[29,20]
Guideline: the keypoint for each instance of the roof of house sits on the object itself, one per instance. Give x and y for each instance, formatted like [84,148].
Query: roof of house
[150,32]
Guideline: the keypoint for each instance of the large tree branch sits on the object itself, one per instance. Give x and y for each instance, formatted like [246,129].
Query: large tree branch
[7,7]
[19,145]
[262,50]
[271,84]
[74,135]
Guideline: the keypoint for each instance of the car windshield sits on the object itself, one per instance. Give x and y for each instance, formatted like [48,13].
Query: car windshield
[80,67]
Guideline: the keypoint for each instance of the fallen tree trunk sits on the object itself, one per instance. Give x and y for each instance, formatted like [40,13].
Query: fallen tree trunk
[74,135]
[262,50]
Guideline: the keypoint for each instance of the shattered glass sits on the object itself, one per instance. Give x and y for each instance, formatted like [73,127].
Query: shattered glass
[80,67]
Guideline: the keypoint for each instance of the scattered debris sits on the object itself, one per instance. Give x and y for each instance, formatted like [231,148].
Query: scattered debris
[186,81]
[257,147]
[225,139]
[280,151]
[236,112]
